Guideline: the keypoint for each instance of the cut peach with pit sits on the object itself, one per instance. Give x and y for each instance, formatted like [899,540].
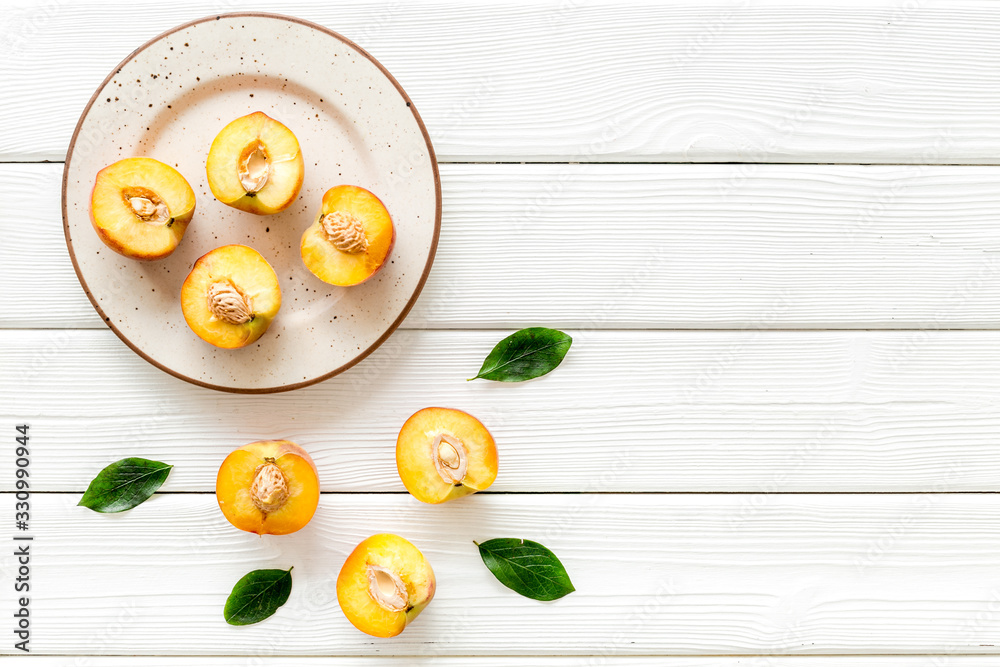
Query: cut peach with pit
[141,207]
[351,237]
[255,165]
[384,584]
[268,487]
[443,454]
[231,296]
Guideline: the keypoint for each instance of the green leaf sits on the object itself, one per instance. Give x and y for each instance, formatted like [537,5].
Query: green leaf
[526,567]
[257,596]
[125,484]
[526,354]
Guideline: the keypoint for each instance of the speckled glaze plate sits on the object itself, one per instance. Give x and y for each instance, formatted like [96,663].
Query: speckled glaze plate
[355,125]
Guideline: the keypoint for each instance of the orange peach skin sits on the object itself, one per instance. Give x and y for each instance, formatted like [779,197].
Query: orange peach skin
[232,487]
[335,267]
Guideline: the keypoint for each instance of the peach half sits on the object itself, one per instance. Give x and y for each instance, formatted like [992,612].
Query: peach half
[231,296]
[255,165]
[350,239]
[443,454]
[385,583]
[141,207]
[268,487]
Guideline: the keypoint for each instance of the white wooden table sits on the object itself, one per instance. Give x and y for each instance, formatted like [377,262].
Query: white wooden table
[773,229]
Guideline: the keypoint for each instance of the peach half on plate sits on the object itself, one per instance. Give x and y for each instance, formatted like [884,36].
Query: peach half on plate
[443,454]
[255,165]
[231,296]
[141,207]
[350,239]
[268,487]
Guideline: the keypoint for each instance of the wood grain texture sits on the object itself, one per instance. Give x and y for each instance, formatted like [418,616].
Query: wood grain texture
[524,661]
[646,246]
[626,411]
[671,574]
[725,80]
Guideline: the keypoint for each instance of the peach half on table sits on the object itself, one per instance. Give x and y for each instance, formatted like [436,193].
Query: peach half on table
[140,207]
[255,165]
[443,454]
[384,584]
[268,487]
[231,296]
[350,239]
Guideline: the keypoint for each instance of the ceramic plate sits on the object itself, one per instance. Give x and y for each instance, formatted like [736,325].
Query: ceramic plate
[355,125]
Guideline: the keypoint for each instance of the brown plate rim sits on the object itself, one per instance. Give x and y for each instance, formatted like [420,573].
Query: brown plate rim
[420,284]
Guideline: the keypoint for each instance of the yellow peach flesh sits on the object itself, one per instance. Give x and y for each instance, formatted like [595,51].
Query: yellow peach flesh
[235,482]
[335,266]
[427,437]
[115,212]
[398,557]
[285,167]
[248,273]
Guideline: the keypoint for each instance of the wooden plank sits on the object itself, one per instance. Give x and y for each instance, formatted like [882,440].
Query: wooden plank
[627,411]
[646,246]
[655,574]
[719,81]
[525,661]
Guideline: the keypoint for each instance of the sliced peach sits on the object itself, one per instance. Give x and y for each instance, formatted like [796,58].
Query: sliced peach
[141,207]
[255,165]
[384,584]
[230,296]
[268,487]
[443,454]
[351,237]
